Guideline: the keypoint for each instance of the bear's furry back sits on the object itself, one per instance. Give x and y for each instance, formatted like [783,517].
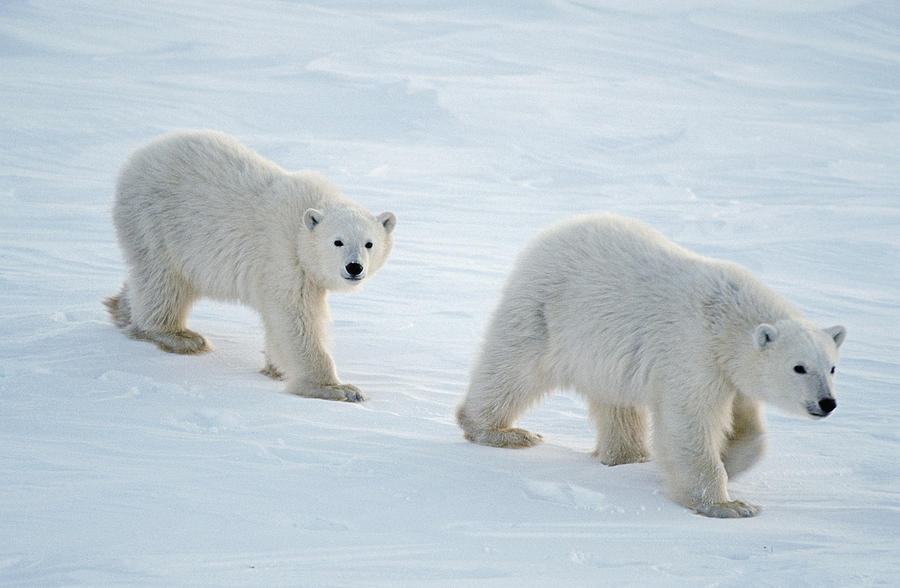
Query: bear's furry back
[614,299]
[222,210]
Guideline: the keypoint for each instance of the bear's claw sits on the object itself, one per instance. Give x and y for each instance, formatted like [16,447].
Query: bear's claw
[272,372]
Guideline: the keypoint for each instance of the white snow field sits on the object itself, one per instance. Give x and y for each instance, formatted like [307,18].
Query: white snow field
[764,132]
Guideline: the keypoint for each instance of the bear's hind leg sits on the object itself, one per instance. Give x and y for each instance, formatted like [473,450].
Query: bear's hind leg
[493,403]
[271,368]
[621,433]
[746,442]
[119,308]
[511,373]
[159,310]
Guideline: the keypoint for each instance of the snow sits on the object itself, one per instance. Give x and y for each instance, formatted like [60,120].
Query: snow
[758,132]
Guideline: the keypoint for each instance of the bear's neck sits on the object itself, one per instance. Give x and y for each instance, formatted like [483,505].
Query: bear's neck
[736,304]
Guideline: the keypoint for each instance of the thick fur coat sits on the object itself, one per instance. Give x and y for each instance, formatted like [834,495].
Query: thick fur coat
[635,324]
[199,215]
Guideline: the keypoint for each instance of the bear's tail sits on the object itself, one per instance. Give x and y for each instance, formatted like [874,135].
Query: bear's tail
[119,308]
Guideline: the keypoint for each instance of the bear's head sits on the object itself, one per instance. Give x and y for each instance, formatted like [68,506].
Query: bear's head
[343,246]
[794,364]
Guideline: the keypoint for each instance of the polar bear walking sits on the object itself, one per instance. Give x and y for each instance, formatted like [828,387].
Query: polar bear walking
[199,215]
[637,324]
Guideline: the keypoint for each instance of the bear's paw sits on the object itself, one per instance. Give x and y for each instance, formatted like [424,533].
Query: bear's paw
[339,392]
[513,438]
[734,509]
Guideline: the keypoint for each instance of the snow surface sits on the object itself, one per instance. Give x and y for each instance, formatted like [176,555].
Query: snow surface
[765,132]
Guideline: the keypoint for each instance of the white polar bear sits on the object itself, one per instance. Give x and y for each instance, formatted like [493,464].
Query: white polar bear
[631,321]
[199,215]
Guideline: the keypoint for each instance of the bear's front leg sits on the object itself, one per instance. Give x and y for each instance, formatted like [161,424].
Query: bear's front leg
[295,350]
[688,449]
[746,442]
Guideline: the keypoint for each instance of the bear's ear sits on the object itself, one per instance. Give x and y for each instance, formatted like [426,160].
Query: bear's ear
[764,334]
[312,217]
[388,221]
[837,332]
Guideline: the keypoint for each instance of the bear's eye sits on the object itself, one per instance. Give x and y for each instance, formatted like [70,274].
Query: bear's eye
[832,369]
[338,243]
[799,369]
[369,245]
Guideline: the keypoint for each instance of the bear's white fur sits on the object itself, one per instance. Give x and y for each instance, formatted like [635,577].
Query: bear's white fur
[200,215]
[635,323]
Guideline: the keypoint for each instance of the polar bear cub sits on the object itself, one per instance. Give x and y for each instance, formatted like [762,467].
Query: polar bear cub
[199,215]
[637,324]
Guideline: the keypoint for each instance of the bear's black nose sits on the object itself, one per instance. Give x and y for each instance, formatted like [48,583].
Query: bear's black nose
[827,405]
[354,269]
